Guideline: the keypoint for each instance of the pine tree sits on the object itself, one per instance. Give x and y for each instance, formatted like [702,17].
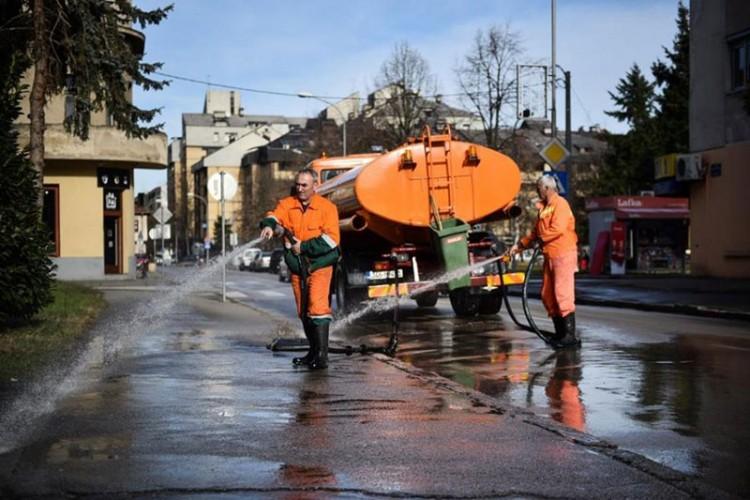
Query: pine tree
[25,267]
[629,162]
[634,98]
[673,78]
[77,46]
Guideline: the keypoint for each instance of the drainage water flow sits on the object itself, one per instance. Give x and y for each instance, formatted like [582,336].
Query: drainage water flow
[108,340]
[386,303]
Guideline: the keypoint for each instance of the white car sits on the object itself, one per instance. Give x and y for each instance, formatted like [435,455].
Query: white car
[264,262]
[246,259]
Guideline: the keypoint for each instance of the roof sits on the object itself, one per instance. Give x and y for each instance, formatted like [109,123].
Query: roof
[208,120]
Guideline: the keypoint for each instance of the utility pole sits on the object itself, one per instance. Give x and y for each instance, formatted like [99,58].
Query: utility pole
[554,70]
[223,244]
[569,140]
[161,222]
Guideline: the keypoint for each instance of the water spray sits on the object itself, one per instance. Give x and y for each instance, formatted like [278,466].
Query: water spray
[16,423]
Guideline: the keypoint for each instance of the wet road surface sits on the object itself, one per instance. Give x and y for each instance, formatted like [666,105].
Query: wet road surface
[198,408]
[669,387]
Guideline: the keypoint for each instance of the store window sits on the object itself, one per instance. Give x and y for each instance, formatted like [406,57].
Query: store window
[51,217]
[740,58]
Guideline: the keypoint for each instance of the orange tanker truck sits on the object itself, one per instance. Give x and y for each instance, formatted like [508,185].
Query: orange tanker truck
[406,219]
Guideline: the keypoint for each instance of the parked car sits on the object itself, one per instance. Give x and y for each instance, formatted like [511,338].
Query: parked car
[263,263]
[284,274]
[247,258]
[164,259]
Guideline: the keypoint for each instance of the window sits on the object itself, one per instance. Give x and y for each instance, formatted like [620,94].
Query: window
[740,60]
[50,217]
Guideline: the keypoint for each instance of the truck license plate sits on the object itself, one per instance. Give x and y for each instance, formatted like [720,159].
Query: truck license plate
[381,275]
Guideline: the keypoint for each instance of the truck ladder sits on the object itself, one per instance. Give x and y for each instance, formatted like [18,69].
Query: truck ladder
[440,182]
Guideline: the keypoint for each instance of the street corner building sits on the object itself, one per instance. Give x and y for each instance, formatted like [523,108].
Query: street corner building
[88,188]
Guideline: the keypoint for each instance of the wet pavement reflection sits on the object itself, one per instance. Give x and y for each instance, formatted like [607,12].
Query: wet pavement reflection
[665,391]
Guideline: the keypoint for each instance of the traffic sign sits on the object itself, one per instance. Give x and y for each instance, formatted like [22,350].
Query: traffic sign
[214,186]
[554,153]
[562,181]
[162,215]
[155,232]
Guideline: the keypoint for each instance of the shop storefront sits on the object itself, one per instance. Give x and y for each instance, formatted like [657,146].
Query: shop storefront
[639,234]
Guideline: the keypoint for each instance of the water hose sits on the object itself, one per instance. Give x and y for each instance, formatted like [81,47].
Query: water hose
[544,335]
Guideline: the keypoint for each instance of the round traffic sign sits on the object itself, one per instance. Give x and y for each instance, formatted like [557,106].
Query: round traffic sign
[214,186]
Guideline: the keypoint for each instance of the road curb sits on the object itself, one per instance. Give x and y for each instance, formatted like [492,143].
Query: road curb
[686,309]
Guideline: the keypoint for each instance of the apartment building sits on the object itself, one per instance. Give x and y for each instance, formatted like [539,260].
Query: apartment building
[214,141]
[719,137]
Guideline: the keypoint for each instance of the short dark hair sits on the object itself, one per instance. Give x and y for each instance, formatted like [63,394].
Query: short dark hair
[310,171]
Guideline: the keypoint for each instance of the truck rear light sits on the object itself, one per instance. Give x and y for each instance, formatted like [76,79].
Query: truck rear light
[381,265]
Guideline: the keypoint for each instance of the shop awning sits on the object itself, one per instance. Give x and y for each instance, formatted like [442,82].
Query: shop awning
[652,213]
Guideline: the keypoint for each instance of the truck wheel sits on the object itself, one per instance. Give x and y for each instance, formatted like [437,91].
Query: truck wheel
[464,304]
[427,299]
[490,303]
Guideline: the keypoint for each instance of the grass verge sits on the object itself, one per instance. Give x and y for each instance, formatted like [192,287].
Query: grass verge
[25,350]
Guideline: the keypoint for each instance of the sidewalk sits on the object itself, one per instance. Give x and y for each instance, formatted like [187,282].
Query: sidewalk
[201,408]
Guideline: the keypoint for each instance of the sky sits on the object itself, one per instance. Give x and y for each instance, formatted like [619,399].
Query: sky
[336,47]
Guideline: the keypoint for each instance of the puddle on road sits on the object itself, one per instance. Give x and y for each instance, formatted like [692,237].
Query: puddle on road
[681,402]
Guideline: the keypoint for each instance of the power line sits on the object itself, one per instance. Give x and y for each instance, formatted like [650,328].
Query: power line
[295,94]
[245,89]
[580,103]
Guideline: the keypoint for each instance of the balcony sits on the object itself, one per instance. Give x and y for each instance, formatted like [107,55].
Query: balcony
[105,144]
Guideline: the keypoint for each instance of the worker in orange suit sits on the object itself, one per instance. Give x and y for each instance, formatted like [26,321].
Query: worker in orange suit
[312,241]
[555,230]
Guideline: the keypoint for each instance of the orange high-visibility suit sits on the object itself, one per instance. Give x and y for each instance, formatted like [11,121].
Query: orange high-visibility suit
[555,227]
[317,226]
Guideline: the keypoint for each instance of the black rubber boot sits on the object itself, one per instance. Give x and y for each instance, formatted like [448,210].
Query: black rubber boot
[310,336]
[570,338]
[559,328]
[320,357]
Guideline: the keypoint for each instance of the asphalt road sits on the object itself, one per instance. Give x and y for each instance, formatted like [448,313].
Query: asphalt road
[666,386]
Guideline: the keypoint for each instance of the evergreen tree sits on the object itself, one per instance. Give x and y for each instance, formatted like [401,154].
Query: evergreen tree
[25,268]
[629,162]
[634,98]
[78,47]
[673,78]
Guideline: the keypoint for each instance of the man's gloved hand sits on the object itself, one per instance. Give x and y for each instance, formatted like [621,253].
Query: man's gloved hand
[266,233]
[296,247]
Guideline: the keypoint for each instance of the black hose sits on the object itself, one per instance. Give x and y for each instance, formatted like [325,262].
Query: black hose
[544,335]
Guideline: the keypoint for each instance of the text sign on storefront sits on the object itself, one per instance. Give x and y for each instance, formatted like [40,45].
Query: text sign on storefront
[113,178]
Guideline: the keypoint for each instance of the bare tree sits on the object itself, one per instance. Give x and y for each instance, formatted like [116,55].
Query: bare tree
[404,84]
[487,78]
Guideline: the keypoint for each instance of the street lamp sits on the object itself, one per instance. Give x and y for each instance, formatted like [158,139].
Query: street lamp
[308,95]
[205,205]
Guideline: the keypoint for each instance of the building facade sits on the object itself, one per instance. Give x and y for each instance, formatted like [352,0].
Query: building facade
[212,142]
[88,188]
[720,135]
